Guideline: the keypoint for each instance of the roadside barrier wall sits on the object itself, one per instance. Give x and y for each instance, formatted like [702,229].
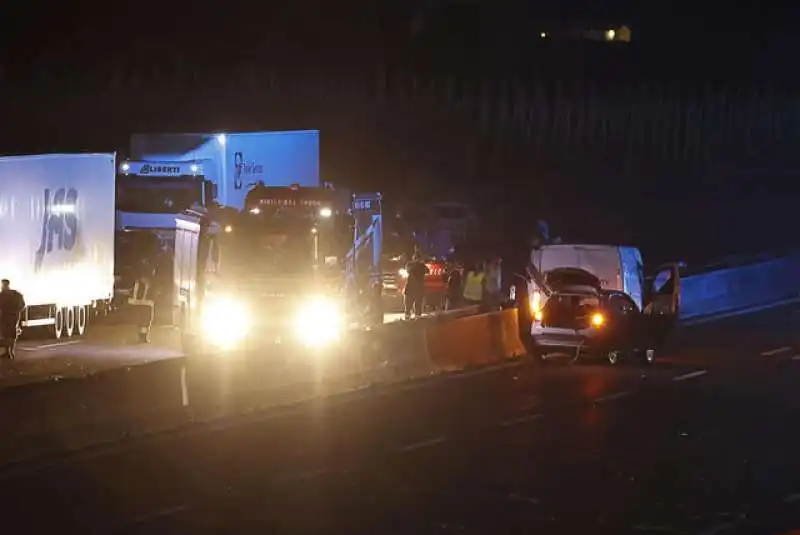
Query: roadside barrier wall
[727,290]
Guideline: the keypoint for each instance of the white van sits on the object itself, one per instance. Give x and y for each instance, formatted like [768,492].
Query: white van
[618,268]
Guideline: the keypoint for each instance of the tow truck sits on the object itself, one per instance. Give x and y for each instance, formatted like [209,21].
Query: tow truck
[284,273]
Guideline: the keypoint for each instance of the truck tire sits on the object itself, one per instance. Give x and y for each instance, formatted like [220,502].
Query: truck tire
[57,328]
[81,316]
[69,315]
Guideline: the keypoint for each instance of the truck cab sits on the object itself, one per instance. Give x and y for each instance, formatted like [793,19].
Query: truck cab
[273,274]
[149,196]
[162,187]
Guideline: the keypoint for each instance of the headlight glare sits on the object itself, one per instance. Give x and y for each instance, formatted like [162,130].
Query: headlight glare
[319,322]
[225,321]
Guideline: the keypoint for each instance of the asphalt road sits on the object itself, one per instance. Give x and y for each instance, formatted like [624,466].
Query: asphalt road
[704,442]
[105,347]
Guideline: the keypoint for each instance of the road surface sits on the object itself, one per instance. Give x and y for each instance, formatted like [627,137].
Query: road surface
[105,347]
[705,442]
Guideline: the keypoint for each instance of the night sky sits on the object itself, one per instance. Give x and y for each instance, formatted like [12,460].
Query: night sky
[682,141]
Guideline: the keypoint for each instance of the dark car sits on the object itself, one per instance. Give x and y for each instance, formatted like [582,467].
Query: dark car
[571,313]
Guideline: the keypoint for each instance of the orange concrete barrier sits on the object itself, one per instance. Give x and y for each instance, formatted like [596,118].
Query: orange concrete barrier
[399,351]
[475,340]
[512,344]
[460,343]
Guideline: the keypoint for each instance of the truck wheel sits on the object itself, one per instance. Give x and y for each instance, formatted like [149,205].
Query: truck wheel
[57,328]
[80,319]
[70,317]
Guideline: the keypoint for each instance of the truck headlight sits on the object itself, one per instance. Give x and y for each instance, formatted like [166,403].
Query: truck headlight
[319,322]
[225,321]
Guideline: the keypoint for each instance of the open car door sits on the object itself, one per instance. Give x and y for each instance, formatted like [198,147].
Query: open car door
[662,305]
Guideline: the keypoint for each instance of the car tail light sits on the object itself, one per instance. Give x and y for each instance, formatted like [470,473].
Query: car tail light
[435,269]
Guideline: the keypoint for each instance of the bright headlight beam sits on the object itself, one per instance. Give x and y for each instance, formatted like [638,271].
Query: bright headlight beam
[319,322]
[225,321]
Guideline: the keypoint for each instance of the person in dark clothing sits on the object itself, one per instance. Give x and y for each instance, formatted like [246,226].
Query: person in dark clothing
[141,300]
[11,306]
[455,286]
[414,293]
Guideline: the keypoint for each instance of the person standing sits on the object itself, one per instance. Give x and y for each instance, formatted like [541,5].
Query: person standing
[475,285]
[11,306]
[455,286]
[414,293]
[141,301]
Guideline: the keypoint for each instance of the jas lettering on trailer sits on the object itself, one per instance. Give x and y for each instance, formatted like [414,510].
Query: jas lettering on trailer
[59,224]
[147,169]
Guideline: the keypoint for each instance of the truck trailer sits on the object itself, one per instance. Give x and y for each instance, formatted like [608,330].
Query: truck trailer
[233,162]
[57,236]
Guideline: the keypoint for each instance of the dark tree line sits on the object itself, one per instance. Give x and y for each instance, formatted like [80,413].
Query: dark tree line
[620,128]
[509,144]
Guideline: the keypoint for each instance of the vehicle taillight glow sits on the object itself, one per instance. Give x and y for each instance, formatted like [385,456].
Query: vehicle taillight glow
[435,269]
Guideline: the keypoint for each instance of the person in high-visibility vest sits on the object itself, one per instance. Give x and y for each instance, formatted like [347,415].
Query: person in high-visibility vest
[475,285]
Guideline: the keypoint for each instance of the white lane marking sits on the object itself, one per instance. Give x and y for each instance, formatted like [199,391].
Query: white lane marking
[48,346]
[719,528]
[792,498]
[611,397]
[690,375]
[184,389]
[302,476]
[161,513]
[521,420]
[796,357]
[660,529]
[778,351]
[423,444]
[482,371]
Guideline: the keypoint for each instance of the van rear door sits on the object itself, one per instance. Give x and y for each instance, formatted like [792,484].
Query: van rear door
[603,261]
[662,309]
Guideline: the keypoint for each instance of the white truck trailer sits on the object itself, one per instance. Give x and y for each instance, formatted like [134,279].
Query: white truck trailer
[57,236]
[234,162]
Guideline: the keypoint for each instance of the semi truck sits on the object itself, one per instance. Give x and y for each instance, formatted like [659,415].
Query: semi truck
[294,269]
[149,196]
[233,162]
[57,235]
